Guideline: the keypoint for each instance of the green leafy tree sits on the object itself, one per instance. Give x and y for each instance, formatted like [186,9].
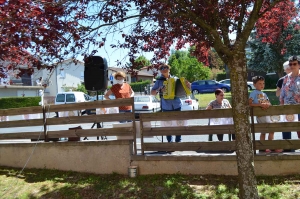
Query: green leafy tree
[267,55]
[141,62]
[184,65]
[81,87]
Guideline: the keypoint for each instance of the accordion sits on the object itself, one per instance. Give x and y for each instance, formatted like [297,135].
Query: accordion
[175,88]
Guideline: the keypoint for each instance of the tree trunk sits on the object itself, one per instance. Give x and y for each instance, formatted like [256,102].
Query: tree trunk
[244,145]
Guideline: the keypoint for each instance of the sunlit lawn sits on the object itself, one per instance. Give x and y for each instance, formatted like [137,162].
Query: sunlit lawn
[42,183]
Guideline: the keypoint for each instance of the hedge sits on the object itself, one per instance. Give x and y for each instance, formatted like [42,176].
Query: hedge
[140,86]
[18,102]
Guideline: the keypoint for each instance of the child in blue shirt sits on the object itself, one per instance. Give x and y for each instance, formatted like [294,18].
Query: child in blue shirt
[260,99]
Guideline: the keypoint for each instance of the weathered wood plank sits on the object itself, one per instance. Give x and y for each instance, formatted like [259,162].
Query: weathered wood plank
[22,123]
[22,135]
[90,119]
[21,111]
[277,110]
[218,129]
[277,127]
[126,131]
[184,115]
[277,144]
[219,146]
[188,130]
[90,105]
[190,146]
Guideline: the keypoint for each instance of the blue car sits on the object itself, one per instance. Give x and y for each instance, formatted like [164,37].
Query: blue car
[208,86]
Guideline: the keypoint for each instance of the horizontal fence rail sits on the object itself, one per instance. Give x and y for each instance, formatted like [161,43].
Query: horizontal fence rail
[217,129]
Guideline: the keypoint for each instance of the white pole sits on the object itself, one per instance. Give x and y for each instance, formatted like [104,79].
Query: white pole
[41,93]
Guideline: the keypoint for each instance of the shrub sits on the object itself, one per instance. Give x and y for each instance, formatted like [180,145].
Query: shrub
[18,102]
[139,86]
[221,76]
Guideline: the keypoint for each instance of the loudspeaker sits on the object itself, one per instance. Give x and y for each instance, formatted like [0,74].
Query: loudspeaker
[95,73]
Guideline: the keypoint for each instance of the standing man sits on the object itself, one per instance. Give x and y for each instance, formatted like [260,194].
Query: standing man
[167,104]
[290,91]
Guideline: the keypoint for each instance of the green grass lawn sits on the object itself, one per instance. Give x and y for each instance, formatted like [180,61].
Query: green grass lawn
[42,183]
[204,99]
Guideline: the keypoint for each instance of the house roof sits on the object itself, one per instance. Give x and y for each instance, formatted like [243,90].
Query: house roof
[142,73]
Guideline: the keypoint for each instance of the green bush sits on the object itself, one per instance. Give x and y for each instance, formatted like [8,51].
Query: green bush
[18,102]
[221,76]
[139,86]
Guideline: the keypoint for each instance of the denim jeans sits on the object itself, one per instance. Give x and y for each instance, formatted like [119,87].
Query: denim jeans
[125,111]
[288,135]
[169,137]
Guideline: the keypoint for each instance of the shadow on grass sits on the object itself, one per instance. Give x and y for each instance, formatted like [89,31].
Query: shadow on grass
[68,184]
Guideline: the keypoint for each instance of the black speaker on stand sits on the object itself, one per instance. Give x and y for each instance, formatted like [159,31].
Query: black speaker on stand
[95,77]
[95,73]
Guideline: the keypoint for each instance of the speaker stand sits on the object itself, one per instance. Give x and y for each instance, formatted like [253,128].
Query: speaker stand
[98,124]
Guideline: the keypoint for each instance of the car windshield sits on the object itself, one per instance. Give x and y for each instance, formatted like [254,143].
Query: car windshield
[141,99]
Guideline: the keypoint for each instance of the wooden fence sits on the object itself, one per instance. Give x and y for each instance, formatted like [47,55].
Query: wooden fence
[218,129]
[46,122]
[153,130]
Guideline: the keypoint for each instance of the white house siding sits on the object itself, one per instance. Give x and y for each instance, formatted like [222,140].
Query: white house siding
[69,75]
[66,74]
[19,91]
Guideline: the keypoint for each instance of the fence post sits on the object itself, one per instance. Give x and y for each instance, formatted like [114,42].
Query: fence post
[134,127]
[45,124]
[253,129]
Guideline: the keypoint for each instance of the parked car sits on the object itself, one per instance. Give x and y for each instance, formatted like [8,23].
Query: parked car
[189,103]
[145,104]
[227,81]
[70,97]
[208,86]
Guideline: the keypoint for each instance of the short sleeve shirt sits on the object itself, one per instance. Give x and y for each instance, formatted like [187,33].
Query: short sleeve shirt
[290,92]
[215,104]
[167,104]
[258,97]
[122,92]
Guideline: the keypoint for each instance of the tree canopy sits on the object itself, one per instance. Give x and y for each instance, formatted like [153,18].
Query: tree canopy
[184,65]
[269,56]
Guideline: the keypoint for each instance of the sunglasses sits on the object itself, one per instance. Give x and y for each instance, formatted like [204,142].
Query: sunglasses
[164,68]
[293,64]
